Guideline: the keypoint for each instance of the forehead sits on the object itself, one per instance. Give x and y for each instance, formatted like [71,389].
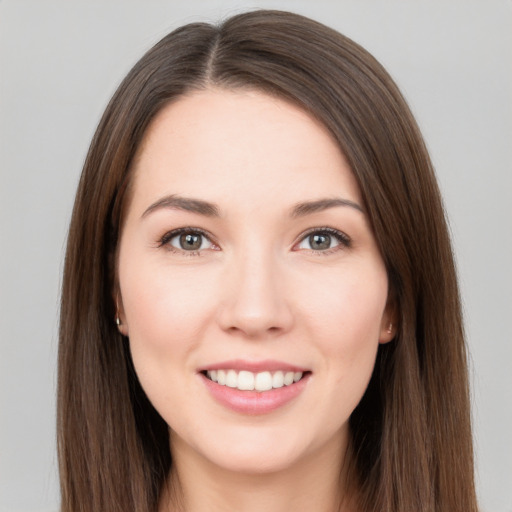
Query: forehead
[229,145]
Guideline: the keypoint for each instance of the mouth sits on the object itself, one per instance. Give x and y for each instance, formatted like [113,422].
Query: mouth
[254,388]
[244,380]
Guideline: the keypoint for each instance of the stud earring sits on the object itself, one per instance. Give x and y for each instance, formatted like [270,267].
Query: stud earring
[390,328]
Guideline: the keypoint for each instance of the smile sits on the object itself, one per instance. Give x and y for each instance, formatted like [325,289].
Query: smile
[254,387]
[250,381]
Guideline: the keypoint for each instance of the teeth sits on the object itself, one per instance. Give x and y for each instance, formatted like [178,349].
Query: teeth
[263,381]
[231,379]
[248,381]
[288,378]
[278,380]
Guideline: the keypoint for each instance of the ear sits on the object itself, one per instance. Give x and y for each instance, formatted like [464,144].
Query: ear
[120,317]
[389,323]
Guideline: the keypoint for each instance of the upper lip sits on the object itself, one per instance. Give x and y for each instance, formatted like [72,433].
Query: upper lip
[271,365]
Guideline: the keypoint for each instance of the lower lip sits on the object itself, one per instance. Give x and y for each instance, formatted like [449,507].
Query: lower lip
[255,402]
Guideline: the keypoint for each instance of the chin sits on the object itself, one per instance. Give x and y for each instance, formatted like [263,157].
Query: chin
[256,450]
[251,460]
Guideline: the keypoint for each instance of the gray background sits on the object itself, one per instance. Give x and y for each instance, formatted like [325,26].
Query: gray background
[59,63]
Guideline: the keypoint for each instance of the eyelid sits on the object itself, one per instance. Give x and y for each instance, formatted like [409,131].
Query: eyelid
[169,235]
[343,239]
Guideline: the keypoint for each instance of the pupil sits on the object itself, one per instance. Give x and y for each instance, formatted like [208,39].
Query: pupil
[190,241]
[320,242]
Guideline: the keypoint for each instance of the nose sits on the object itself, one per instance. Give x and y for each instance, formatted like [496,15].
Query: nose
[255,302]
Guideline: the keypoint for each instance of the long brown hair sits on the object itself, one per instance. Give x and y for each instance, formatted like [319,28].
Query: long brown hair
[411,446]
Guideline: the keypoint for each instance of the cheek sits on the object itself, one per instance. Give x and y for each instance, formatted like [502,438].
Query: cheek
[166,311]
[347,306]
[164,306]
[344,320]
[347,330]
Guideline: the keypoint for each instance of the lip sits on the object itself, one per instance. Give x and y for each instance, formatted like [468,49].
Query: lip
[270,365]
[254,402]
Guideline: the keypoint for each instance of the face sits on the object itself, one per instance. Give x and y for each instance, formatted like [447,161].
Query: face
[250,284]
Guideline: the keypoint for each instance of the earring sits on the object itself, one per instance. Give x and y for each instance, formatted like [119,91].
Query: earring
[390,328]
[118,320]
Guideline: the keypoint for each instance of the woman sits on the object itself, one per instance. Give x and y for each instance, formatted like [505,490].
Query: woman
[259,306]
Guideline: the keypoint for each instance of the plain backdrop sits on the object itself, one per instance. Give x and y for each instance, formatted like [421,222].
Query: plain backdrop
[60,61]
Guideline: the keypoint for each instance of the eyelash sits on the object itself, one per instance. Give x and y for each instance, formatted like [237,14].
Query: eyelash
[164,241]
[342,238]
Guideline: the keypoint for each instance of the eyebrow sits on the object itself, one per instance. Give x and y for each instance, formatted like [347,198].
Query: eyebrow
[201,207]
[175,202]
[309,207]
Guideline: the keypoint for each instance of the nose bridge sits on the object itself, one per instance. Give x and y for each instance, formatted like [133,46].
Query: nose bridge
[255,298]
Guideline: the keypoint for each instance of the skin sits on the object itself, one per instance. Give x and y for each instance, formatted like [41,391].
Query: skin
[256,290]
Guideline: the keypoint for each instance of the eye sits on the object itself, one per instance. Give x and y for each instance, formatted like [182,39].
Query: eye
[187,240]
[323,240]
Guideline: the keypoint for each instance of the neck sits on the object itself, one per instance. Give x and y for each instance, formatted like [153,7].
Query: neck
[313,483]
